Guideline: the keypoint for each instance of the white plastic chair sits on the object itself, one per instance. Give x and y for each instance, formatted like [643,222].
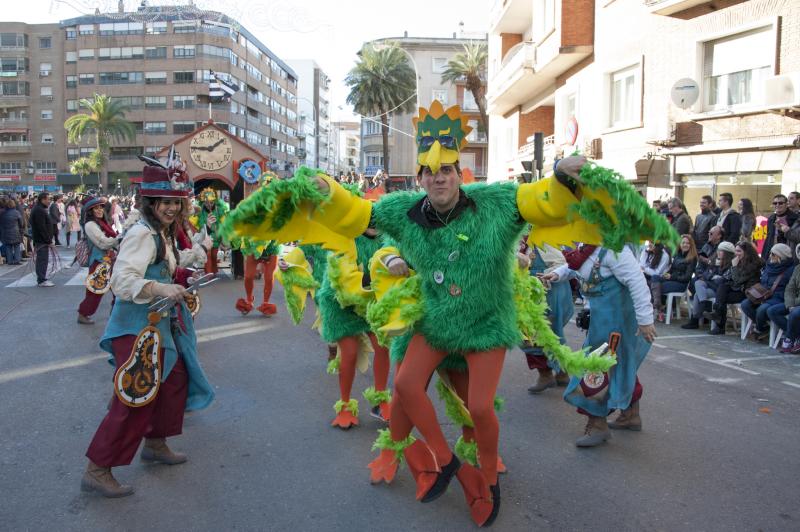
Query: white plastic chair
[671,296]
[775,335]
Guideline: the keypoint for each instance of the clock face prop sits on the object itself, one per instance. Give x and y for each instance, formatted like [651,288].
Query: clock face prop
[211,150]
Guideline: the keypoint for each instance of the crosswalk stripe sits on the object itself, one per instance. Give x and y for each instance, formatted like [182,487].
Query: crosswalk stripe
[79,279]
[24,281]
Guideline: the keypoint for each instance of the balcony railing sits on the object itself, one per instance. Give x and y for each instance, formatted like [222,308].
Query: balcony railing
[15,146]
[6,123]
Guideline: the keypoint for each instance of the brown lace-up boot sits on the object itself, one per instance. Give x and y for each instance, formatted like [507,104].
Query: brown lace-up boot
[156,450]
[101,480]
[595,433]
[628,419]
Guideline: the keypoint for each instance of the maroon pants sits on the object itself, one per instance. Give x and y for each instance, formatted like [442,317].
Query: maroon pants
[91,300]
[121,431]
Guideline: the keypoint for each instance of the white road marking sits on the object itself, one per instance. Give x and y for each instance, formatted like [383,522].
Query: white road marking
[655,344]
[792,384]
[24,281]
[203,335]
[718,363]
[79,279]
[680,336]
[748,359]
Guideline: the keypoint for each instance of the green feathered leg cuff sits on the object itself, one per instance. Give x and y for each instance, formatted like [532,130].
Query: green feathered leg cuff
[466,451]
[333,366]
[376,397]
[351,406]
[384,442]
[453,406]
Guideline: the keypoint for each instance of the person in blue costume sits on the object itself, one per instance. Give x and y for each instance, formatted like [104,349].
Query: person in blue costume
[620,300]
[148,267]
[560,311]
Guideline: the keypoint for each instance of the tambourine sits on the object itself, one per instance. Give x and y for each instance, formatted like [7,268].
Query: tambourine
[136,382]
[99,281]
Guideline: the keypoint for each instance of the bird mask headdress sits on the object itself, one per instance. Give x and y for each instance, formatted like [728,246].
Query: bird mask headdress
[208,194]
[441,135]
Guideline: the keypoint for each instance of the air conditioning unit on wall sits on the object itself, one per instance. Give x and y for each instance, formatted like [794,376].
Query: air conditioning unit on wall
[781,92]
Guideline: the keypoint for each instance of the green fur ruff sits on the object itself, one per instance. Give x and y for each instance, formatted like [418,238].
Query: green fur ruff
[534,325]
[472,309]
[466,451]
[279,200]
[351,406]
[452,407]
[636,220]
[337,322]
[385,442]
[290,279]
[378,312]
[333,366]
[499,403]
[376,397]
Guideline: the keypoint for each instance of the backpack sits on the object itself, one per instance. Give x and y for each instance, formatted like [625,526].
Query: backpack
[82,252]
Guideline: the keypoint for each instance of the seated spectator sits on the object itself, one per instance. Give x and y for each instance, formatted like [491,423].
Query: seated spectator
[677,278]
[787,316]
[780,268]
[707,254]
[745,272]
[654,262]
[706,287]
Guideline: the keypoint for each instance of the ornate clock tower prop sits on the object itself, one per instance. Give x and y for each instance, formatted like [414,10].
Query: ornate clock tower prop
[215,158]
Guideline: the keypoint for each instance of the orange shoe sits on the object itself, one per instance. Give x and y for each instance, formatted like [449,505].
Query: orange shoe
[244,306]
[267,309]
[501,467]
[346,414]
[422,465]
[384,467]
[385,410]
[476,493]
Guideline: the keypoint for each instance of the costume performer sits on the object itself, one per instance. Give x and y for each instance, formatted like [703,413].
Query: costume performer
[460,241]
[560,311]
[102,241]
[212,212]
[620,301]
[148,267]
[342,324]
[265,256]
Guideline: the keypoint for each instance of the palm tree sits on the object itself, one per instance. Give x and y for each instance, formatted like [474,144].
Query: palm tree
[382,82]
[470,65]
[106,120]
[83,166]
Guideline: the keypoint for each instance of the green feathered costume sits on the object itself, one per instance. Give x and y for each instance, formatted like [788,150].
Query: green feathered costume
[220,210]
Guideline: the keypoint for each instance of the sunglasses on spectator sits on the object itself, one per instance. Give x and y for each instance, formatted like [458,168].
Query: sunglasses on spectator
[779,203]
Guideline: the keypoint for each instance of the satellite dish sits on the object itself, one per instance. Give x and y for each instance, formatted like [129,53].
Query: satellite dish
[684,93]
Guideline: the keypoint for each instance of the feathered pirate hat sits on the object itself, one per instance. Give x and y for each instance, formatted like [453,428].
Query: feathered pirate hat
[208,194]
[441,135]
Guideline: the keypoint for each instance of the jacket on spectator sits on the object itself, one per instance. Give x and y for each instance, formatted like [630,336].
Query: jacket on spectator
[770,274]
[791,296]
[682,224]
[743,277]
[732,225]
[703,223]
[775,236]
[708,250]
[11,227]
[748,226]
[41,224]
[681,270]
[645,259]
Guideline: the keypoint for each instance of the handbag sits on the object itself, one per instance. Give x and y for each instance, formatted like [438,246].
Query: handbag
[758,293]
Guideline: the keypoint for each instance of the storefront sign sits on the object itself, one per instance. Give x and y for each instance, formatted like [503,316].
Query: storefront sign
[9,178]
[760,233]
[44,177]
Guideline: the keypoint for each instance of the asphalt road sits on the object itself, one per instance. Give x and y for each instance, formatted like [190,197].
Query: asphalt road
[719,449]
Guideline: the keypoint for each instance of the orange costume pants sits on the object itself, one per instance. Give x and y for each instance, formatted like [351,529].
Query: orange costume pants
[411,407]
[348,347]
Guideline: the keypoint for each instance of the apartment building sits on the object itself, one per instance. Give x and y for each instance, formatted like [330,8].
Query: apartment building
[694,97]
[313,95]
[347,146]
[158,61]
[429,58]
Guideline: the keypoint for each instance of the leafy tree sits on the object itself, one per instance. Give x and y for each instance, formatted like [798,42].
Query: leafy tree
[382,82]
[470,66]
[83,167]
[106,121]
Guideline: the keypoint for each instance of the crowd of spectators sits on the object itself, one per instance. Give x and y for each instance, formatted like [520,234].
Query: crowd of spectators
[720,265]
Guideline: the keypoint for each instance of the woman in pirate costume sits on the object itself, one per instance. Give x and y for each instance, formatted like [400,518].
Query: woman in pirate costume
[460,241]
[102,241]
[212,212]
[159,375]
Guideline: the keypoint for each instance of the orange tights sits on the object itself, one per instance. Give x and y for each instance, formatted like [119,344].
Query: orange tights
[250,270]
[348,347]
[411,406]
